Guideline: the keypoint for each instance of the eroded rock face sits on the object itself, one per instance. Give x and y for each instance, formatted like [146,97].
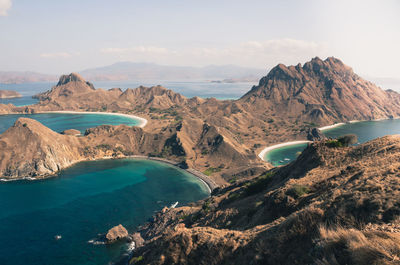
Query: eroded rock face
[116,233]
[315,134]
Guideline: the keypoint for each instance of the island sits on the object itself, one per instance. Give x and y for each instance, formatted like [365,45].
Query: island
[332,203]
[9,94]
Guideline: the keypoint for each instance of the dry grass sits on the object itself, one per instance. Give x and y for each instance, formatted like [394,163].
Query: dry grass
[351,246]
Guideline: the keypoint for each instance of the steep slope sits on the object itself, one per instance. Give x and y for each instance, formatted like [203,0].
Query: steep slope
[322,92]
[330,206]
[29,149]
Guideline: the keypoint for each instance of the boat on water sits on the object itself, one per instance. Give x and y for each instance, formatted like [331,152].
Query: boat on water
[174,205]
[57,237]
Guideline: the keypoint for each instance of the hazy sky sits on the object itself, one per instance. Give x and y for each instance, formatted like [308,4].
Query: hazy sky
[53,36]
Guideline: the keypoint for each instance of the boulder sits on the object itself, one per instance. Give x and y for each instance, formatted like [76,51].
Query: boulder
[116,233]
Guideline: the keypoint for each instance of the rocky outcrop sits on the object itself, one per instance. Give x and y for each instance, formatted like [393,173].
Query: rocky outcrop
[116,233]
[9,94]
[333,205]
[315,134]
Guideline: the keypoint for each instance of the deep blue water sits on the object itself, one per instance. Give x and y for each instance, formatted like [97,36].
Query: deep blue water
[198,88]
[365,131]
[82,202]
[62,121]
[19,102]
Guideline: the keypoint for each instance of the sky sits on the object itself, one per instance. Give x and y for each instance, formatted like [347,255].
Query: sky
[56,37]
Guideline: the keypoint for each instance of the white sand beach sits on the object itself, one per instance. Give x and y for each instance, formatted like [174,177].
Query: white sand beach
[272,147]
[142,123]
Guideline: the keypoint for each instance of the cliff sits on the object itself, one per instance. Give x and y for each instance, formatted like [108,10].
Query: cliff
[330,206]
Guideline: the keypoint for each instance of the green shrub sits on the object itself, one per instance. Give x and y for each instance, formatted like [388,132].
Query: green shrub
[136,260]
[211,170]
[298,190]
[258,184]
[334,143]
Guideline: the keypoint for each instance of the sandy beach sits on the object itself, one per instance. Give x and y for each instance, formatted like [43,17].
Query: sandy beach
[142,121]
[272,147]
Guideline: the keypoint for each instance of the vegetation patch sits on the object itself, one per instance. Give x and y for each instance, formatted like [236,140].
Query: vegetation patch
[258,185]
[211,170]
[298,190]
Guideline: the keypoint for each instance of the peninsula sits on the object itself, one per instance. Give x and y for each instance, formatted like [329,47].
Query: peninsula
[9,94]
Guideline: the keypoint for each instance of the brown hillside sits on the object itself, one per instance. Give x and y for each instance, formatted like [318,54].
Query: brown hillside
[322,91]
[331,206]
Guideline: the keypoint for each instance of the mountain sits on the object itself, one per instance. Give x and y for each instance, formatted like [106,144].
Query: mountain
[322,92]
[223,138]
[331,206]
[151,71]
[8,77]
[9,94]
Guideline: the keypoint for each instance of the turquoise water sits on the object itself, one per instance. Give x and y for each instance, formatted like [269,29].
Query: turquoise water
[365,131]
[82,202]
[284,155]
[62,121]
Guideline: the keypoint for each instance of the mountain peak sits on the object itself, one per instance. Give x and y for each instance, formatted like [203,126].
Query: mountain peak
[323,91]
[73,77]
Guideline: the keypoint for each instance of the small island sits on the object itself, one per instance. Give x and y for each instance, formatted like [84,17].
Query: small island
[9,94]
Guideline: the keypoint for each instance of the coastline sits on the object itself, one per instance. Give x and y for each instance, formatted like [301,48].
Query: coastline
[272,147]
[323,128]
[209,183]
[142,121]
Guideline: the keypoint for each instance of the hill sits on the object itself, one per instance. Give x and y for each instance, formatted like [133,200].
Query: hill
[9,94]
[330,206]
[322,92]
[16,77]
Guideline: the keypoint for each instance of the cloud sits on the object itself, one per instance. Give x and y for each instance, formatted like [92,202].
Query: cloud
[5,5]
[262,54]
[55,54]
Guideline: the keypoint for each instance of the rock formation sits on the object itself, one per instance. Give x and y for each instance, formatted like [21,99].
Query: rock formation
[322,91]
[315,134]
[116,233]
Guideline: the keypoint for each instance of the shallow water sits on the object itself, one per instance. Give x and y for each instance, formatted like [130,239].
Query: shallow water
[62,121]
[365,131]
[82,202]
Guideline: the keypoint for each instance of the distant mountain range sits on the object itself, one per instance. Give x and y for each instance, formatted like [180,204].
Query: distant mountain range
[146,71]
[19,77]
[150,71]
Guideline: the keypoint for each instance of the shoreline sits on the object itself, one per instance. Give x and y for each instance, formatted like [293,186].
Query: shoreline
[272,147]
[209,183]
[142,121]
[323,128]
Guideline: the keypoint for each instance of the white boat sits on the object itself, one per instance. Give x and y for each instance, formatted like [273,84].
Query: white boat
[57,237]
[174,205]
[287,159]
